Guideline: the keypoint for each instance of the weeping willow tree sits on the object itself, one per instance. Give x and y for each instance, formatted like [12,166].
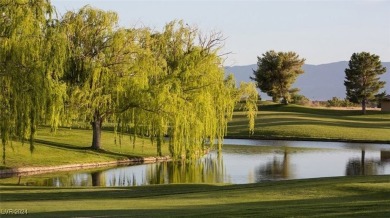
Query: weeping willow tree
[85,68]
[153,84]
[100,66]
[31,66]
[187,95]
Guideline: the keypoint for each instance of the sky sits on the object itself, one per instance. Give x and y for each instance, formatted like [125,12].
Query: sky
[319,31]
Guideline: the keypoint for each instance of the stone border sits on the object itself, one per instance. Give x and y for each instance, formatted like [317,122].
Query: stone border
[69,167]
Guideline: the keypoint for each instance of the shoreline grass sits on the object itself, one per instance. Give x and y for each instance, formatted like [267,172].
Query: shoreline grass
[323,197]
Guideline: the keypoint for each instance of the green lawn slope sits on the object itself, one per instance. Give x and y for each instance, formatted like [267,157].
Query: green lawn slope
[326,197]
[73,147]
[276,121]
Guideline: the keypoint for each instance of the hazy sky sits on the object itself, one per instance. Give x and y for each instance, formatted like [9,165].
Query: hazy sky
[319,31]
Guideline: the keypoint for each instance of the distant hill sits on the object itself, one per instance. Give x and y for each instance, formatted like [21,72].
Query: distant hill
[319,82]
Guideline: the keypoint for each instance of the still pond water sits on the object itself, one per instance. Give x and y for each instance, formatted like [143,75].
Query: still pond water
[242,161]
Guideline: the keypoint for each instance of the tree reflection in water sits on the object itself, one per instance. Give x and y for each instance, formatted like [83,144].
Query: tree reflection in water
[63,180]
[356,166]
[205,170]
[278,168]
[123,178]
[239,163]
[385,156]
[98,178]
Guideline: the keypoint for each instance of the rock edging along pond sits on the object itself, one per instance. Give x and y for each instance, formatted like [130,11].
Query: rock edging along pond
[70,167]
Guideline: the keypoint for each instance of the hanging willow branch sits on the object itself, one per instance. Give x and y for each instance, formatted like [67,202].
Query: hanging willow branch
[84,68]
[31,63]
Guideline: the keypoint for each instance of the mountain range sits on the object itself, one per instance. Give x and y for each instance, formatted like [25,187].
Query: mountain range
[318,82]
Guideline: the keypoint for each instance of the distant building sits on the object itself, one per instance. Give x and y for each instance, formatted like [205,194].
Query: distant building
[385,103]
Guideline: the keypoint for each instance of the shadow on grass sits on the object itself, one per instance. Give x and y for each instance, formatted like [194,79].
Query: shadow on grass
[77,148]
[365,205]
[62,145]
[215,200]
[102,193]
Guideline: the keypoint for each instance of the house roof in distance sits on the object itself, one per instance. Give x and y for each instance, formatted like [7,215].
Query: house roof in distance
[386,98]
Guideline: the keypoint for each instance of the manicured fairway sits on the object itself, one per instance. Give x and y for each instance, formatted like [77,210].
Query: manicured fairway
[297,122]
[325,197]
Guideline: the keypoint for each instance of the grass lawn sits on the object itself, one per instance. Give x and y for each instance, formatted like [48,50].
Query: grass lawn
[73,146]
[298,122]
[325,197]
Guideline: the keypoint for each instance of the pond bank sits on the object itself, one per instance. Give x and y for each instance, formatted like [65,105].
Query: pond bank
[69,167]
[23,171]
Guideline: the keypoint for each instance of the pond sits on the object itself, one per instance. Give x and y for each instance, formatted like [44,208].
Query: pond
[242,161]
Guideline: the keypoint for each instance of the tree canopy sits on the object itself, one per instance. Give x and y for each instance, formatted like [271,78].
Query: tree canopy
[85,68]
[276,72]
[362,80]
[31,67]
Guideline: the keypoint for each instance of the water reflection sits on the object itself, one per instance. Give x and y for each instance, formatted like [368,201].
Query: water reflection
[260,161]
[205,170]
[276,169]
[209,169]
[98,178]
[385,156]
[363,166]
[63,180]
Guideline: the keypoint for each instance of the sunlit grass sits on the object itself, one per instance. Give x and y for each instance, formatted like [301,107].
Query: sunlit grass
[43,155]
[121,144]
[297,122]
[73,147]
[326,197]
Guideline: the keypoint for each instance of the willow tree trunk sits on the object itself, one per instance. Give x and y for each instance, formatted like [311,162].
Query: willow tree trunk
[159,142]
[285,101]
[97,131]
[3,152]
[364,106]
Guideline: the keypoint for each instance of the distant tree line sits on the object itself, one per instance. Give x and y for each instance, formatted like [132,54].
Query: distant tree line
[277,71]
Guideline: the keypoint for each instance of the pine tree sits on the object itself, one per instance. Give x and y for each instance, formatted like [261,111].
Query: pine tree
[276,72]
[362,80]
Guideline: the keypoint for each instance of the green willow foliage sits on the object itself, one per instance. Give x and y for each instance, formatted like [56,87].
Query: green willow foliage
[31,66]
[84,68]
[249,96]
